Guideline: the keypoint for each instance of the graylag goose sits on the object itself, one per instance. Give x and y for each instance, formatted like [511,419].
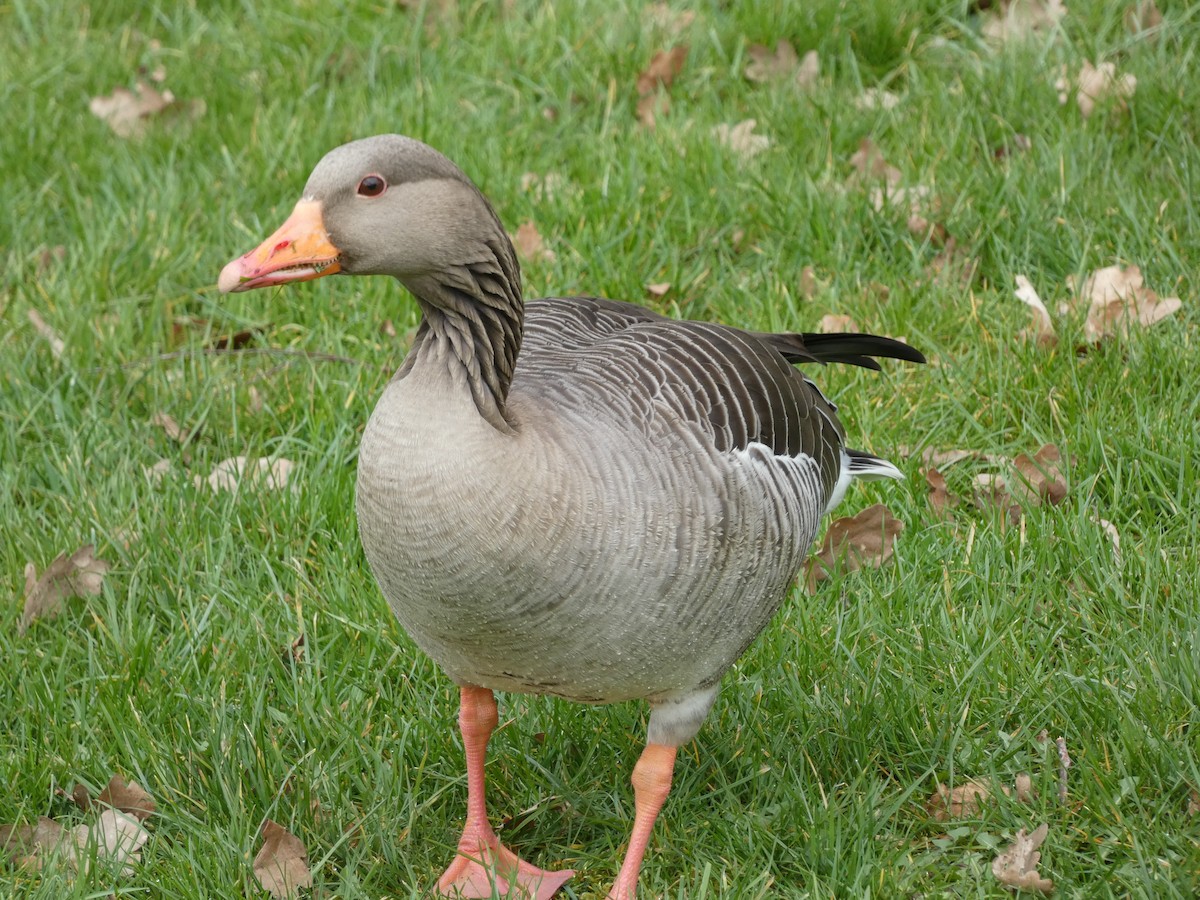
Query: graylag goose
[574,496]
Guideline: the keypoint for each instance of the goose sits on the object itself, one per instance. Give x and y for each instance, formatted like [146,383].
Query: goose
[572,496]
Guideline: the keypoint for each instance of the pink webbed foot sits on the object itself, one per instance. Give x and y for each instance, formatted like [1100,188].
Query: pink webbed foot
[496,870]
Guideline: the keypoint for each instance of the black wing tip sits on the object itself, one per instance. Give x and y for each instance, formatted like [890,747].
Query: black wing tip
[849,347]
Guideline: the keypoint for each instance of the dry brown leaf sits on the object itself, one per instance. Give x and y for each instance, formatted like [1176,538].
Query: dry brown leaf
[673,22]
[782,63]
[270,472]
[664,66]
[1042,328]
[1143,17]
[865,540]
[33,845]
[964,801]
[118,838]
[1064,763]
[807,285]
[530,246]
[968,798]
[991,492]
[869,162]
[1193,804]
[157,472]
[877,98]
[78,575]
[1113,535]
[1017,865]
[1041,478]
[281,866]
[1019,19]
[57,344]
[833,323]
[127,797]
[740,138]
[126,111]
[941,501]
[1118,299]
[650,107]
[1094,84]
[658,290]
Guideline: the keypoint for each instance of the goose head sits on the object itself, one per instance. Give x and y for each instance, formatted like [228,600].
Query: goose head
[383,205]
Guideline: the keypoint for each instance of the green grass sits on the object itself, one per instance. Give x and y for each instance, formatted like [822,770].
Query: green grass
[811,775]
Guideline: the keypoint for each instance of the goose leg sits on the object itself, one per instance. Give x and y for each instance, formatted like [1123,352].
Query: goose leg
[651,784]
[484,866]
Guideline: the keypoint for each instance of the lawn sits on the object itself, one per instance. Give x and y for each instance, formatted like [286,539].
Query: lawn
[813,774]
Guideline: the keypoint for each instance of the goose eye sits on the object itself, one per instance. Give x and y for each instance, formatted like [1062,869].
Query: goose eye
[371,186]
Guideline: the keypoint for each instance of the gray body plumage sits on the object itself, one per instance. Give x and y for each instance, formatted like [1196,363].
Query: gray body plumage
[576,497]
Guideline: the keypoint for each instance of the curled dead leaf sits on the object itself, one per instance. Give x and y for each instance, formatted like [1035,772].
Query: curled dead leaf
[1017,865]
[1118,299]
[855,542]
[1042,328]
[740,138]
[941,501]
[79,574]
[33,846]
[664,66]
[1041,478]
[281,865]
[530,246]
[659,289]
[870,164]
[57,344]
[673,22]
[877,98]
[118,838]
[1094,84]
[1143,17]
[1022,19]
[126,112]
[271,473]
[968,798]
[782,63]
[126,796]
[833,323]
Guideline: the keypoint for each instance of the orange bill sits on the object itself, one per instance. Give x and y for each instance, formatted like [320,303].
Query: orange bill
[299,251]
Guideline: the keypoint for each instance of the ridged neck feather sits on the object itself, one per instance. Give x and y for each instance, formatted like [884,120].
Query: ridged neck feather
[471,323]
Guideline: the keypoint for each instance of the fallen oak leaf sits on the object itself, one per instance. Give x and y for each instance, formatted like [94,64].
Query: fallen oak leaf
[877,98]
[281,865]
[864,540]
[57,344]
[833,323]
[128,797]
[966,799]
[1143,17]
[126,111]
[271,472]
[118,839]
[34,845]
[1118,298]
[1017,865]
[782,63]
[1022,19]
[1094,84]
[1042,327]
[1041,476]
[79,574]
[530,246]
[664,66]
[740,138]
[941,501]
